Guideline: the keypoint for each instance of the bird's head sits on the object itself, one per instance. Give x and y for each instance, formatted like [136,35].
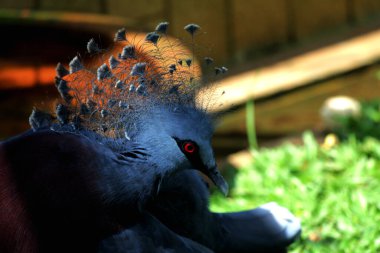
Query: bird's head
[179,138]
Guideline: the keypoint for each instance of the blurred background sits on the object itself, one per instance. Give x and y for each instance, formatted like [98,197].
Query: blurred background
[286,58]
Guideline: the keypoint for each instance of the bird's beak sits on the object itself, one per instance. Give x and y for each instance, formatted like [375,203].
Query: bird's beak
[214,174]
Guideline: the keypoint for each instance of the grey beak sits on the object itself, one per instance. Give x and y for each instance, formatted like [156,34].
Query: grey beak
[217,178]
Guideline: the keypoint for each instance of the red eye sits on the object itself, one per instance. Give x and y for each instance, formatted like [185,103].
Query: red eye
[189,147]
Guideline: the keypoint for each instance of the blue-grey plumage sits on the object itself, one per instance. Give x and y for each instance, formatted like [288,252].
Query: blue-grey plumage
[119,84]
[113,62]
[163,128]
[75,65]
[152,37]
[120,35]
[39,119]
[138,69]
[162,27]
[82,189]
[192,28]
[63,90]
[61,71]
[62,113]
[129,52]
[103,72]
[92,47]
[159,130]
[150,235]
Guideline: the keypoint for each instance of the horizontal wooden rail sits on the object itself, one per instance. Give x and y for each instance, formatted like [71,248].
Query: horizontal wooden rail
[299,71]
[96,21]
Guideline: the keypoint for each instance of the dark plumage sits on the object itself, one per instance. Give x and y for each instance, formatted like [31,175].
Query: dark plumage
[103,72]
[63,90]
[62,113]
[113,62]
[39,119]
[120,35]
[61,71]
[192,28]
[152,37]
[150,235]
[79,193]
[208,60]
[129,52]
[75,65]
[162,27]
[92,47]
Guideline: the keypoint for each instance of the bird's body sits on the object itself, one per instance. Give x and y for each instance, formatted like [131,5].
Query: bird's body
[69,191]
[64,185]
[116,170]
[79,187]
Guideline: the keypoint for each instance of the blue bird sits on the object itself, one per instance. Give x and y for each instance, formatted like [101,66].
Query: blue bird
[116,169]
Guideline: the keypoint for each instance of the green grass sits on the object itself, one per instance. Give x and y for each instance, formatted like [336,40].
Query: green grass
[335,192]
[367,124]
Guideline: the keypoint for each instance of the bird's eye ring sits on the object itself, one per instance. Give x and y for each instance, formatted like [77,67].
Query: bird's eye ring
[189,147]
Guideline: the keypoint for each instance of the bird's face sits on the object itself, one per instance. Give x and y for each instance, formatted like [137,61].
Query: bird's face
[182,140]
[199,155]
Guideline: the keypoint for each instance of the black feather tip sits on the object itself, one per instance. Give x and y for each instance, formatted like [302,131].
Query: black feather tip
[120,35]
[138,69]
[224,70]
[62,113]
[119,84]
[61,70]
[103,72]
[75,65]
[152,37]
[162,27]
[208,60]
[39,119]
[128,52]
[63,90]
[192,28]
[92,47]
[132,88]
[113,62]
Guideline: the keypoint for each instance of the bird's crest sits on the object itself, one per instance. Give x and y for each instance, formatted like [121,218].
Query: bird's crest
[135,76]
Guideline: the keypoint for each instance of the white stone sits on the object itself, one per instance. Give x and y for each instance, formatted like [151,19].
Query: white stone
[336,107]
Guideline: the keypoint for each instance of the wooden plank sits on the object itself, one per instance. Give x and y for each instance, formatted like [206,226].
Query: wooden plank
[147,13]
[298,110]
[366,9]
[71,5]
[94,21]
[258,24]
[18,4]
[299,71]
[313,17]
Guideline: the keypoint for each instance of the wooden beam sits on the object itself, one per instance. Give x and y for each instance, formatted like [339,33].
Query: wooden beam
[90,20]
[299,71]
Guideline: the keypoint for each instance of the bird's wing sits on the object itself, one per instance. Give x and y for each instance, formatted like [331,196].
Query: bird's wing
[67,184]
[267,228]
[150,236]
[182,205]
